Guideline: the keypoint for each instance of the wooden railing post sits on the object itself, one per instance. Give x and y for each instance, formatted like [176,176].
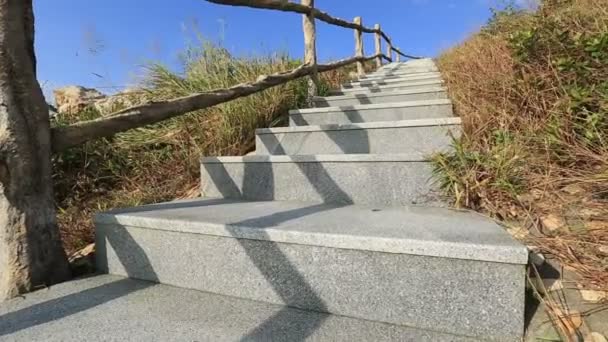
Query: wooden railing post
[310,50]
[359,46]
[378,41]
[389,52]
[398,56]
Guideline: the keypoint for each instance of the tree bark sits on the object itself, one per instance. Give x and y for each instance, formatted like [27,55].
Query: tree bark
[31,254]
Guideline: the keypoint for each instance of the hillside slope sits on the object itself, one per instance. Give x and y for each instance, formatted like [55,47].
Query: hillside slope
[532,90]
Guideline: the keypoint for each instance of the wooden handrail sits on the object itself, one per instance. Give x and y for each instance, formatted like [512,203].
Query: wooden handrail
[64,137]
[286,6]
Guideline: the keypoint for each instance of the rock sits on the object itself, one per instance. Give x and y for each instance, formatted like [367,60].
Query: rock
[595,337]
[593,296]
[538,259]
[73,99]
[573,189]
[553,222]
[553,285]
[603,249]
[518,232]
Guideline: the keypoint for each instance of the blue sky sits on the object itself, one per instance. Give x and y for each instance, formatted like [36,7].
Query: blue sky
[104,44]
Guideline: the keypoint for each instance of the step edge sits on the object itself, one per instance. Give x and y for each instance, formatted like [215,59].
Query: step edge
[396,79]
[349,108]
[320,158]
[415,123]
[395,93]
[401,83]
[517,255]
[362,90]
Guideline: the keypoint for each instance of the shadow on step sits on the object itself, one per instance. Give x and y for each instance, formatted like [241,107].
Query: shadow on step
[75,303]
[280,273]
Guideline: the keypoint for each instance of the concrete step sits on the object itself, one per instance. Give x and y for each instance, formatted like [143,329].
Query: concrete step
[405,71]
[424,136]
[438,269]
[408,85]
[374,179]
[430,93]
[391,81]
[114,308]
[396,111]
[368,77]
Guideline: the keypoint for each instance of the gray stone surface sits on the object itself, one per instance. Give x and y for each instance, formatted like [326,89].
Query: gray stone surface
[378,179]
[399,86]
[371,77]
[424,136]
[392,80]
[434,232]
[466,297]
[431,93]
[399,111]
[111,308]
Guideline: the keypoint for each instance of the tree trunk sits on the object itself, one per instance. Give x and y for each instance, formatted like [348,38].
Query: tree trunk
[31,254]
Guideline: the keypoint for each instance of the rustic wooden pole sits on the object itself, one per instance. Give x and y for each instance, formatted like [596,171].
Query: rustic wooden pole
[398,56]
[389,52]
[378,42]
[310,50]
[359,47]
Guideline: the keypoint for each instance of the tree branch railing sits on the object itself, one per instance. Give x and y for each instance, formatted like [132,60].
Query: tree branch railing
[286,6]
[64,137]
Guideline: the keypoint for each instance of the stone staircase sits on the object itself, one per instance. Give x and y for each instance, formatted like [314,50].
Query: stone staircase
[337,214]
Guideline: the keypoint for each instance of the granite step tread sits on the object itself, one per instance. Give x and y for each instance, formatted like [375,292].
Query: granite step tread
[427,136]
[428,93]
[399,86]
[436,232]
[114,308]
[380,81]
[359,113]
[404,104]
[371,179]
[438,269]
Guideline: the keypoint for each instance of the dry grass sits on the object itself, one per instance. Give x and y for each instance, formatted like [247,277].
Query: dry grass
[161,162]
[532,91]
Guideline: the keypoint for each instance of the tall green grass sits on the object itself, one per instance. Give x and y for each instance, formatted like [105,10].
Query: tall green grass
[161,162]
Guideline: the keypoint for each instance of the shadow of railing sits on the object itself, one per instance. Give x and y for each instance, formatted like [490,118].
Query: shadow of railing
[58,308]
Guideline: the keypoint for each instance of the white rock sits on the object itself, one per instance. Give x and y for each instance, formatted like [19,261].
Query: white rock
[595,337]
[594,296]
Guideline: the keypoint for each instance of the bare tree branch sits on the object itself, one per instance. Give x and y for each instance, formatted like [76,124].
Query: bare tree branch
[153,112]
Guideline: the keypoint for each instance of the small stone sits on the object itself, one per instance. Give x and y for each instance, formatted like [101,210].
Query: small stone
[595,337]
[538,259]
[573,189]
[603,249]
[553,222]
[553,285]
[518,232]
[593,296]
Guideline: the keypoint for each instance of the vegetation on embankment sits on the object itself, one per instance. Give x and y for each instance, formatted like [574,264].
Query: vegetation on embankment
[161,162]
[532,90]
